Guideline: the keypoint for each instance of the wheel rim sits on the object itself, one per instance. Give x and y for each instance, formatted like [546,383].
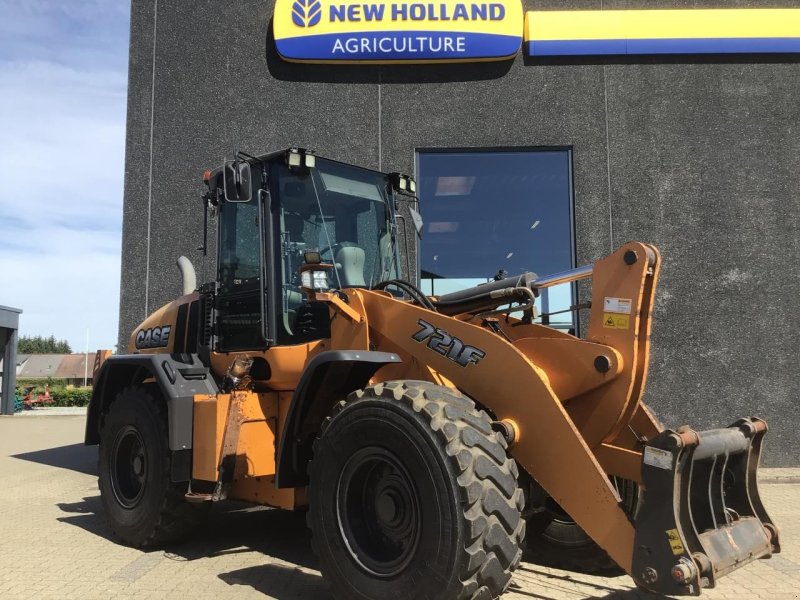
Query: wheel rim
[378,510]
[128,467]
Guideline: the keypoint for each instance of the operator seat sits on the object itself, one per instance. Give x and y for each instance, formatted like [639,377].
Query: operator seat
[350,264]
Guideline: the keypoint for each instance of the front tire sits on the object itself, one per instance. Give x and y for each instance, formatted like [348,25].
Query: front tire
[413,496]
[143,507]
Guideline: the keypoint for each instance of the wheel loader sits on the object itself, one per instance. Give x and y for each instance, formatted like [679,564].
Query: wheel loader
[428,438]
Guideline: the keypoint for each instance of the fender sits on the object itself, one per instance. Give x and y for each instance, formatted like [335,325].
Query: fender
[178,376]
[330,376]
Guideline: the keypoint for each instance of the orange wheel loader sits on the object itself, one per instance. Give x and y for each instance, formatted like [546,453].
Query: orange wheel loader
[422,434]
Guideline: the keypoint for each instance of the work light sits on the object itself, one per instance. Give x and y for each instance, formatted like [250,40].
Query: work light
[297,157]
[314,280]
[403,183]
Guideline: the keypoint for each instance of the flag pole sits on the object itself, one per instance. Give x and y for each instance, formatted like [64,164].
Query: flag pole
[86,360]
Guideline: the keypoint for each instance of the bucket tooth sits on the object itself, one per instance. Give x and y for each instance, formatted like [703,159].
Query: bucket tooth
[701,515]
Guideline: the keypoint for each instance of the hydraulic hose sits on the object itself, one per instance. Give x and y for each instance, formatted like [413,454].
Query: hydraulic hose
[488,295]
[410,289]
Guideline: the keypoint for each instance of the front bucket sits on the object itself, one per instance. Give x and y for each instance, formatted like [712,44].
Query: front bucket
[701,515]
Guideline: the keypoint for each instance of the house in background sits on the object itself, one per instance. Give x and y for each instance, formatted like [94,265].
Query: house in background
[70,368]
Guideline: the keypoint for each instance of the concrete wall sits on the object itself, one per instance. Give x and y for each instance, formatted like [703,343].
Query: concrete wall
[699,156]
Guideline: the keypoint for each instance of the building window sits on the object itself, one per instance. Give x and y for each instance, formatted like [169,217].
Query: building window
[487,211]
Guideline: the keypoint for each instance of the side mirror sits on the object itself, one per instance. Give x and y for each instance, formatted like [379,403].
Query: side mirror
[416,219]
[237,182]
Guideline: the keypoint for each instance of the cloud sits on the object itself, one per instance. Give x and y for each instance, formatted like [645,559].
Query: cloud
[62,146]
[69,32]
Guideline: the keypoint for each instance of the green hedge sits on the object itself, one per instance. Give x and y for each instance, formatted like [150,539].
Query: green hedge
[62,395]
[71,396]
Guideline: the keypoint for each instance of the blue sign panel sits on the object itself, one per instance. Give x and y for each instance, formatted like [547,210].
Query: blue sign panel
[388,32]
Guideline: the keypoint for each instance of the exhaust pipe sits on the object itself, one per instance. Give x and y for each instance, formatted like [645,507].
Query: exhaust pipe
[188,275]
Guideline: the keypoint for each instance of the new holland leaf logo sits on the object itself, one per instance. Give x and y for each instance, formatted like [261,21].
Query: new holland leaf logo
[306,13]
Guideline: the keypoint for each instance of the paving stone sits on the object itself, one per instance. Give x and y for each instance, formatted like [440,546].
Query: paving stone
[57,546]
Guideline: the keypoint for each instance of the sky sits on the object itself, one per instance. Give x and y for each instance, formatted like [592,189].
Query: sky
[63,95]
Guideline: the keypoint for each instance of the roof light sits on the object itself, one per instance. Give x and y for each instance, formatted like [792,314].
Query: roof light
[403,183]
[293,158]
[300,157]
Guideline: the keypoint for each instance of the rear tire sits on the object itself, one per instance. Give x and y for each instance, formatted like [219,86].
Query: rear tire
[143,507]
[413,496]
[556,540]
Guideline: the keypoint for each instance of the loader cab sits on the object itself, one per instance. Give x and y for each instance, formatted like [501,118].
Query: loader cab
[273,210]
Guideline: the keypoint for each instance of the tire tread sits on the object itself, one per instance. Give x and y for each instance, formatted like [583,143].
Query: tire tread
[177,519]
[487,477]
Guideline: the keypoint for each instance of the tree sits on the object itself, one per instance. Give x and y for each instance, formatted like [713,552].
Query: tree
[39,344]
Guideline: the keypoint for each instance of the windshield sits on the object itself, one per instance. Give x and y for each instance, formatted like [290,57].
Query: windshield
[343,212]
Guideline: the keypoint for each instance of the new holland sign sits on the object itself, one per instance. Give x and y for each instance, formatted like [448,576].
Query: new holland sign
[386,31]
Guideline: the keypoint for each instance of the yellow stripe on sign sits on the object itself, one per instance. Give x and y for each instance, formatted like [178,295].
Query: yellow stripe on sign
[574,25]
[721,23]
[662,24]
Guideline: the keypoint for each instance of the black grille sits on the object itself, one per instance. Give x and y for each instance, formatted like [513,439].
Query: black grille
[206,330]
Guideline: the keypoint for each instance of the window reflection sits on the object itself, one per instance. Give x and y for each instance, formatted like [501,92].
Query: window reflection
[492,211]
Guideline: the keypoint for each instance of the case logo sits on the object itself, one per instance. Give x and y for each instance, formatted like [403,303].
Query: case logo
[157,337]
[387,31]
[451,347]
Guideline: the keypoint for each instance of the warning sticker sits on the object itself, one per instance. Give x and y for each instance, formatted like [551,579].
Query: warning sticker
[620,306]
[656,457]
[614,321]
[675,541]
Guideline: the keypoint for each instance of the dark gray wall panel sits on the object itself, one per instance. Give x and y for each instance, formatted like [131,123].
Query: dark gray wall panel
[137,161]
[705,161]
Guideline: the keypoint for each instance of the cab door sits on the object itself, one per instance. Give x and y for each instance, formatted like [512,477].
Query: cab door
[241,292]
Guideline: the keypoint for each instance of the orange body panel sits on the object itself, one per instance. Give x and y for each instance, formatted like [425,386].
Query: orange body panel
[602,413]
[263,415]
[256,445]
[208,429]
[261,490]
[286,363]
[620,462]
[166,316]
[550,354]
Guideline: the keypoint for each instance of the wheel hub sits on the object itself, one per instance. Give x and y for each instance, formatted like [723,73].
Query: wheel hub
[386,507]
[378,512]
[138,465]
[128,467]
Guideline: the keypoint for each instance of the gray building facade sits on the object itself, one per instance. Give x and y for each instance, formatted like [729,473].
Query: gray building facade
[699,155]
